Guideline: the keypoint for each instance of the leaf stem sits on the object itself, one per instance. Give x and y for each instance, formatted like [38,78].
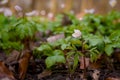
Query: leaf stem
[83,51]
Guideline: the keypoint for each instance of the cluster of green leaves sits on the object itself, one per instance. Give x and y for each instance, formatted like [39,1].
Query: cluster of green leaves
[6,33]
[13,30]
[55,52]
[53,56]
[106,28]
[100,35]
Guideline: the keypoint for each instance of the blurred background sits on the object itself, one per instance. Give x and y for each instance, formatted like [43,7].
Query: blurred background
[53,7]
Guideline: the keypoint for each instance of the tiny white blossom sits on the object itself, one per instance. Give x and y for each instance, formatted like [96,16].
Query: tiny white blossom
[91,11]
[76,33]
[18,8]
[80,18]
[50,15]
[43,12]
[7,12]
[32,13]
[62,5]
[112,3]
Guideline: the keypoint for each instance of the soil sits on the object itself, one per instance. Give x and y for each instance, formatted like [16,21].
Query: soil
[36,70]
[62,73]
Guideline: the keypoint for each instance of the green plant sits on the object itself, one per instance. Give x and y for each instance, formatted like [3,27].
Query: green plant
[53,56]
[98,37]
[14,32]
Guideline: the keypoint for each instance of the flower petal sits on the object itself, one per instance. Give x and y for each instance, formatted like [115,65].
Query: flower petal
[76,33]
[112,3]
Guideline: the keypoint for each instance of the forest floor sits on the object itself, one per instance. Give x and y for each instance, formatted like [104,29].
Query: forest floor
[36,70]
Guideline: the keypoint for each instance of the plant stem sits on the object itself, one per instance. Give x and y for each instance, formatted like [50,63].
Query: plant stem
[84,67]
[83,51]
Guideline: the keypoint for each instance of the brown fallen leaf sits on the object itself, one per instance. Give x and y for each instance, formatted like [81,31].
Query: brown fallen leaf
[2,56]
[23,64]
[116,55]
[95,65]
[111,78]
[96,75]
[12,57]
[5,72]
[55,37]
[87,61]
[44,74]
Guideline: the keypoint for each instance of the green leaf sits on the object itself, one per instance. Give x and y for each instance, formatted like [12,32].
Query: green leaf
[76,41]
[109,49]
[52,60]
[60,59]
[94,42]
[115,36]
[101,46]
[58,52]
[44,47]
[5,36]
[57,57]
[40,27]
[65,46]
[69,54]
[93,56]
[107,40]
[76,60]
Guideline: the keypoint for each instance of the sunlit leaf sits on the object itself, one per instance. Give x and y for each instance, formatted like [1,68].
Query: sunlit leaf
[109,49]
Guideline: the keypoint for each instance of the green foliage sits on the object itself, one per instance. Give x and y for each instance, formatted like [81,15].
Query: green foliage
[100,35]
[53,56]
[14,30]
[56,57]
[45,49]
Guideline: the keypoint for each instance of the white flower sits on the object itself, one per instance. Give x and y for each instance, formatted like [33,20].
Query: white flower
[80,18]
[43,12]
[76,33]
[18,8]
[62,5]
[91,11]
[50,15]
[32,13]
[7,12]
[112,3]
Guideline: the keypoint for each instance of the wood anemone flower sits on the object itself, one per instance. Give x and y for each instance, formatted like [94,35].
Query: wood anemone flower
[77,33]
